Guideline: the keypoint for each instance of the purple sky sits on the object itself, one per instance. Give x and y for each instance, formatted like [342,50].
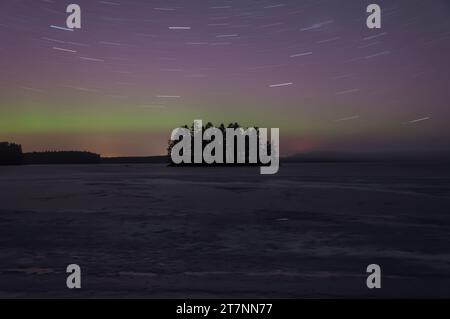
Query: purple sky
[139,68]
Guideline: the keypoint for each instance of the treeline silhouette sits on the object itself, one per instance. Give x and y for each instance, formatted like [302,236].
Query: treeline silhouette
[61,157]
[222,128]
[10,154]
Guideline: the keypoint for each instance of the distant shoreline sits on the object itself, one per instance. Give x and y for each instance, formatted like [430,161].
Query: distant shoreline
[11,154]
[161,159]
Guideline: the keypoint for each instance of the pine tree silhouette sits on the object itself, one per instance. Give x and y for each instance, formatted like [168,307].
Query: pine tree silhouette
[222,128]
[10,154]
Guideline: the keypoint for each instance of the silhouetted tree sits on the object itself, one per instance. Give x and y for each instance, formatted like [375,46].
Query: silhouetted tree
[222,128]
[10,153]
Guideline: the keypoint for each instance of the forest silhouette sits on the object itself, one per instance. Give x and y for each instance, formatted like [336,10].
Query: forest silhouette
[11,154]
[223,143]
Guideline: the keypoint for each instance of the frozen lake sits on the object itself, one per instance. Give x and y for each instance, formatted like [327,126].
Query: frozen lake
[157,231]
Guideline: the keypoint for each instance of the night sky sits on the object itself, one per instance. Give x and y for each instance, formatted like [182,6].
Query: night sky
[139,68]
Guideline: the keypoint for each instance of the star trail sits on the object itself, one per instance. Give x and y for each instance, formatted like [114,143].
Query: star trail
[137,69]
